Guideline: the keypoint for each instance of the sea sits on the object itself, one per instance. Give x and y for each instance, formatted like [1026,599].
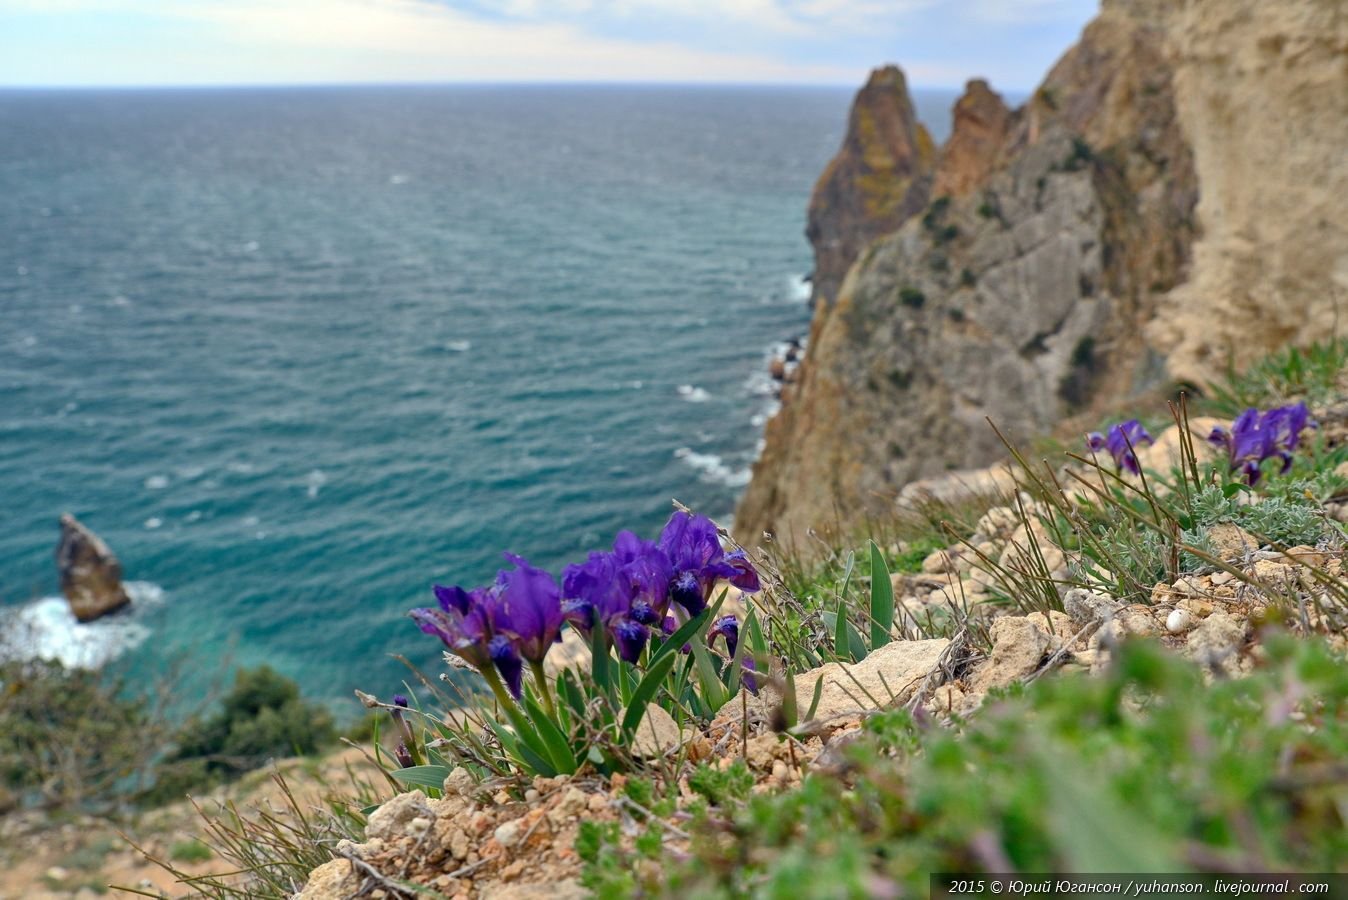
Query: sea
[297,354]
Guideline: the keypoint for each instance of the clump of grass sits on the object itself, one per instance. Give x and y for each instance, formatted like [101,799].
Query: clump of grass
[272,850]
[1311,373]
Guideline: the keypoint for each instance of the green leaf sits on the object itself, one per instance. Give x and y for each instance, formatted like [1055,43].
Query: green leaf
[855,644]
[755,630]
[568,691]
[423,776]
[600,662]
[713,692]
[558,747]
[847,572]
[682,635]
[790,712]
[528,734]
[882,599]
[840,645]
[519,751]
[814,703]
[645,691]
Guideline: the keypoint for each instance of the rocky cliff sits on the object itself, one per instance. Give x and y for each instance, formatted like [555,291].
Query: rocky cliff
[1056,259]
[880,178]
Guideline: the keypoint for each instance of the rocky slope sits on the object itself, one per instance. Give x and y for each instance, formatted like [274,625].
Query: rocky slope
[1057,259]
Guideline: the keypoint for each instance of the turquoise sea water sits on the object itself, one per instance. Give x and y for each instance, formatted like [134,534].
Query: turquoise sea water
[296,354]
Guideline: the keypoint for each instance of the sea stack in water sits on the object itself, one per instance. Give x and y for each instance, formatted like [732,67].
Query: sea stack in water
[91,576]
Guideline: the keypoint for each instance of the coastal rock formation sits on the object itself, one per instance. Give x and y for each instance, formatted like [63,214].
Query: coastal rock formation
[981,123]
[91,576]
[879,179]
[1062,261]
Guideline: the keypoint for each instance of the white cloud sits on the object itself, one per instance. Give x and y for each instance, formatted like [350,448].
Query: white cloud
[258,41]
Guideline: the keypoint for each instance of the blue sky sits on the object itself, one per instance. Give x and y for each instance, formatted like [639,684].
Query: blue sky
[940,43]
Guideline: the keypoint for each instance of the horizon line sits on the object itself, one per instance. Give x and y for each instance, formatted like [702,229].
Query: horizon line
[469,83]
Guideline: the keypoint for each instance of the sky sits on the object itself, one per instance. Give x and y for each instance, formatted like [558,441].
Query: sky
[939,43]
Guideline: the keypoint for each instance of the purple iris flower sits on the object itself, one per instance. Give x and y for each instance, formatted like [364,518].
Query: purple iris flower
[1255,437]
[463,622]
[1120,441]
[623,592]
[506,657]
[728,627]
[532,609]
[694,550]
[518,617]
[630,636]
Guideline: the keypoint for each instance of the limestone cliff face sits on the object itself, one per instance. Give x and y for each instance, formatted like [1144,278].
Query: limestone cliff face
[1064,260]
[878,180]
[1262,89]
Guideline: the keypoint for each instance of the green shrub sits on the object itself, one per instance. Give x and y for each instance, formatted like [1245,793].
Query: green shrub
[73,737]
[263,717]
[911,297]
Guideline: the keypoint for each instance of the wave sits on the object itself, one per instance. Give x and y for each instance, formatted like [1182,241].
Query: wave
[47,629]
[714,468]
[799,288]
[693,393]
[314,482]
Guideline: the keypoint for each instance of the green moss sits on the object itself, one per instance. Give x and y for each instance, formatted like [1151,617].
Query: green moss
[190,852]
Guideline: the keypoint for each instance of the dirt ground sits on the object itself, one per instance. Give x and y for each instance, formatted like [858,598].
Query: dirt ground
[45,857]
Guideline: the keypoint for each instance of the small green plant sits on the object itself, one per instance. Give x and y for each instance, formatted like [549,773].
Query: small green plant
[1311,374]
[193,851]
[723,787]
[911,297]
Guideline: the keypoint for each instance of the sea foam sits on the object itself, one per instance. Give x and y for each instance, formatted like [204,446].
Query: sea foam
[47,629]
[714,468]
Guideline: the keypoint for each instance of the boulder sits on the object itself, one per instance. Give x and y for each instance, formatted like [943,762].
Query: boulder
[91,576]
[1018,649]
[885,678]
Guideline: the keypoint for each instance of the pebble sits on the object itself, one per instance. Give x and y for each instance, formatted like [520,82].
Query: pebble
[508,835]
[1179,621]
[460,781]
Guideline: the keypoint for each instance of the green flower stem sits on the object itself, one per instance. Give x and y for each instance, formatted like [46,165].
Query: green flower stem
[542,680]
[494,682]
